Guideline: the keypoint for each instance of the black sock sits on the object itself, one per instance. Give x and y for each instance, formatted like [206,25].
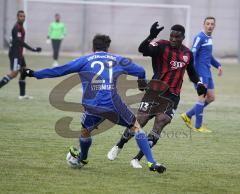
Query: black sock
[125,137]
[4,80]
[152,140]
[139,155]
[22,86]
[121,142]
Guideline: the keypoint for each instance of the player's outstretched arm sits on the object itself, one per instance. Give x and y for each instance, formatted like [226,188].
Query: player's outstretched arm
[37,49]
[22,43]
[72,67]
[135,70]
[144,47]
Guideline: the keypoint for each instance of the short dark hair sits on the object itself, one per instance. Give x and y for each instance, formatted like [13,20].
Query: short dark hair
[20,11]
[209,18]
[101,42]
[178,28]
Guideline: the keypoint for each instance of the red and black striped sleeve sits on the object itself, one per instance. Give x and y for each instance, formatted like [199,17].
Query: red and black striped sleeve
[149,48]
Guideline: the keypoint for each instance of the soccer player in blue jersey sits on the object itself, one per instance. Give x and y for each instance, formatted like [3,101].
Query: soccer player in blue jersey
[203,60]
[99,72]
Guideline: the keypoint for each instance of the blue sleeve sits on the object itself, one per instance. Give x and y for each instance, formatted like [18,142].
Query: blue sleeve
[71,67]
[214,62]
[196,45]
[132,69]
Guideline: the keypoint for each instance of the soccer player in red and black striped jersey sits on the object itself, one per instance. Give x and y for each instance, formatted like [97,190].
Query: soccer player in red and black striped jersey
[17,61]
[170,60]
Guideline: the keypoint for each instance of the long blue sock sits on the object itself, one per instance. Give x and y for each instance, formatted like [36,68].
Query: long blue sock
[143,144]
[191,111]
[199,114]
[85,144]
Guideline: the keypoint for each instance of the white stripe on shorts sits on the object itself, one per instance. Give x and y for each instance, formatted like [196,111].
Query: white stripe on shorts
[16,66]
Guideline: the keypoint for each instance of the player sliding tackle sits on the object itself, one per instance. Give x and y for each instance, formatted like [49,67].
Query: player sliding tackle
[99,72]
[170,59]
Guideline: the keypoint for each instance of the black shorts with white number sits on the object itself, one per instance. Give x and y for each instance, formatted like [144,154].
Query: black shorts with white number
[16,63]
[154,103]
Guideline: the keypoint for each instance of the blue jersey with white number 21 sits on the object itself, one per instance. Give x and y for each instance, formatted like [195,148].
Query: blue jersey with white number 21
[98,73]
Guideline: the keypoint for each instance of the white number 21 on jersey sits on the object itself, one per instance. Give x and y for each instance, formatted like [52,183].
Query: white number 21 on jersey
[101,81]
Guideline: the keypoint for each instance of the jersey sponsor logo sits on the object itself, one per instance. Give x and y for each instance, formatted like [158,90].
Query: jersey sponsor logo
[177,64]
[19,34]
[185,58]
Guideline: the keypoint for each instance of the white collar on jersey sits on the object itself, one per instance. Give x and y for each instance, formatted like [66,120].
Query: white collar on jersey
[206,34]
[100,52]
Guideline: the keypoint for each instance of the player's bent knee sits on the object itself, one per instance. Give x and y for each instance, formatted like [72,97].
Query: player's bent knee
[210,99]
[136,127]
[85,133]
[202,98]
[13,74]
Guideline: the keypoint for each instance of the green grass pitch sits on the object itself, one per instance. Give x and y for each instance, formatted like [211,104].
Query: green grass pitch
[32,154]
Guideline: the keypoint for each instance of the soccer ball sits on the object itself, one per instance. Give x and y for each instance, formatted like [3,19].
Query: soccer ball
[71,161]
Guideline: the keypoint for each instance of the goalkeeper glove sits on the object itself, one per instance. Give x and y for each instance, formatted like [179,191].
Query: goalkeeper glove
[155,30]
[201,89]
[28,73]
[37,49]
[142,84]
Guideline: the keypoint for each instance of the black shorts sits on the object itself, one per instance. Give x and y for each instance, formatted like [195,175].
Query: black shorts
[16,63]
[154,103]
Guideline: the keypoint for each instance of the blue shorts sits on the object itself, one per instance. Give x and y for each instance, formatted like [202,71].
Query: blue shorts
[94,116]
[207,81]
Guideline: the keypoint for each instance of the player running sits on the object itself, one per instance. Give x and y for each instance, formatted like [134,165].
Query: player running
[202,51]
[99,72]
[170,59]
[17,61]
